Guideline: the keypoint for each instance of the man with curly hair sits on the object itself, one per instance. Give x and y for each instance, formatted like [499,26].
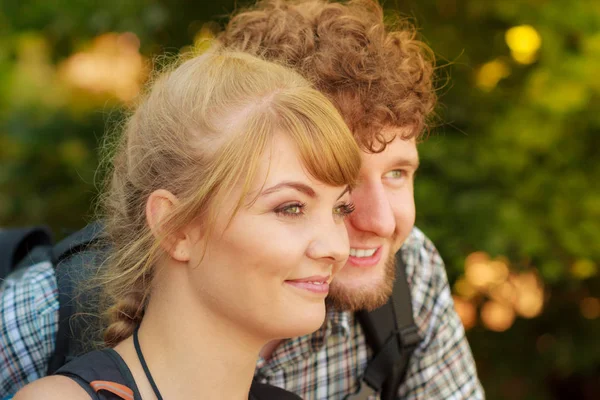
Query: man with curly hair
[379,76]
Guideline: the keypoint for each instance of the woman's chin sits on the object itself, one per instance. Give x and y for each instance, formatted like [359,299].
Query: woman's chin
[304,321]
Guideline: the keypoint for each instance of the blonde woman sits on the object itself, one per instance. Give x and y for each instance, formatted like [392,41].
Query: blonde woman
[225,212]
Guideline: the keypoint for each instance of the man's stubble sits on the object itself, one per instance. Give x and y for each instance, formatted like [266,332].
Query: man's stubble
[344,299]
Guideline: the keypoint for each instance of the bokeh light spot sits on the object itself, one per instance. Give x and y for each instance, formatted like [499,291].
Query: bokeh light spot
[497,316]
[466,311]
[486,274]
[524,42]
[529,301]
[113,65]
[491,73]
[465,289]
[584,269]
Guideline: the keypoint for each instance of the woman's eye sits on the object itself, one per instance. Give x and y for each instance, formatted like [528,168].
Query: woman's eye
[291,210]
[343,210]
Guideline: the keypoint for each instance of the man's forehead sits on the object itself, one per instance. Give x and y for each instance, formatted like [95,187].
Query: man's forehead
[399,150]
[392,132]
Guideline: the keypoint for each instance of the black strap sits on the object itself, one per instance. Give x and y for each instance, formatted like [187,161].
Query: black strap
[138,350]
[258,391]
[407,331]
[392,334]
[62,252]
[16,245]
[263,391]
[103,365]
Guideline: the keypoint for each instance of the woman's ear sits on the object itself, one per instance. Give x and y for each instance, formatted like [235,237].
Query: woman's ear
[159,206]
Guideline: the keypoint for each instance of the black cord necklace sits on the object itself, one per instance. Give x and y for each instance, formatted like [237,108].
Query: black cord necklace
[138,350]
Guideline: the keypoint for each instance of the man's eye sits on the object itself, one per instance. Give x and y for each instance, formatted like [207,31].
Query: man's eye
[396,174]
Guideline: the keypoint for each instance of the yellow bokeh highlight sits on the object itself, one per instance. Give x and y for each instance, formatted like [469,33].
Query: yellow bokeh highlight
[486,274]
[529,299]
[504,293]
[524,42]
[524,58]
[112,66]
[590,307]
[584,269]
[523,39]
[204,38]
[529,305]
[465,289]
[477,257]
[466,311]
[491,73]
[507,293]
[497,316]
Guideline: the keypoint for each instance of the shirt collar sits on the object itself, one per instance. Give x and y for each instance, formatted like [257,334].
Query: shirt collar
[337,323]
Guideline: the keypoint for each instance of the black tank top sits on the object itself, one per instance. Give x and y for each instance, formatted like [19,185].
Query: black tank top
[104,376]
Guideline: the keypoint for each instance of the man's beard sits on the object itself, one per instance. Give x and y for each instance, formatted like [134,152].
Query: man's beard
[343,299]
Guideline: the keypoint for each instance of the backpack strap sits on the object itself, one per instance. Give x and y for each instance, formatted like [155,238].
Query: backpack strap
[263,391]
[103,375]
[391,332]
[64,254]
[17,244]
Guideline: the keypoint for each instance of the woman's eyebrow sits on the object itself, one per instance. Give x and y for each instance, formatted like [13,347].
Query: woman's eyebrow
[344,192]
[299,186]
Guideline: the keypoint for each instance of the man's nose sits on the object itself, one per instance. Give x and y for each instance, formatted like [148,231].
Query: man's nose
[373,211]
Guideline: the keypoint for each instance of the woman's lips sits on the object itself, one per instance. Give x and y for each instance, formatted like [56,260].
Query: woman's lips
[315,284]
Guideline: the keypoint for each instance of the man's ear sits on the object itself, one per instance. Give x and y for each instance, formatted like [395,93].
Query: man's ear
[159,206]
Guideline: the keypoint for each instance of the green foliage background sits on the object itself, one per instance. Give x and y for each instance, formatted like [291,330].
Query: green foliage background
[511,170]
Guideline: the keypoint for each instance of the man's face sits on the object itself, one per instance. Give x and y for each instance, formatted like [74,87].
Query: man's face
[383,219]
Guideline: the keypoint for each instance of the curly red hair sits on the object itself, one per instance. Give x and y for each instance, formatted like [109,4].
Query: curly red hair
[377,74]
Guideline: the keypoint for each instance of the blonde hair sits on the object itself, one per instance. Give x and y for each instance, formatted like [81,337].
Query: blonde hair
[198,131]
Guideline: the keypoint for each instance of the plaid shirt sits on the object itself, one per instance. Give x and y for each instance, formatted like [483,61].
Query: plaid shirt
[325,365]
[28,325]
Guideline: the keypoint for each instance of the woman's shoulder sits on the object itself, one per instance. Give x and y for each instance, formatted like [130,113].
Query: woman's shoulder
[54,387]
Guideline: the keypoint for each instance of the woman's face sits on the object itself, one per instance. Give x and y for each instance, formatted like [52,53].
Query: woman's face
[269,270]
